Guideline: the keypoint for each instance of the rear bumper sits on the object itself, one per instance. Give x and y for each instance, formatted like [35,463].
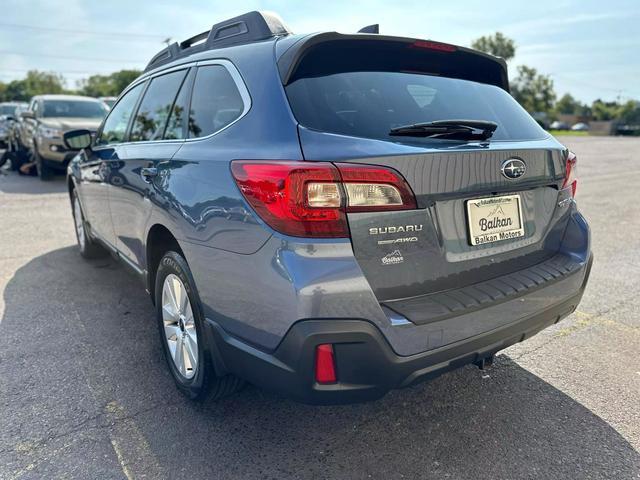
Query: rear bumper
[367,366]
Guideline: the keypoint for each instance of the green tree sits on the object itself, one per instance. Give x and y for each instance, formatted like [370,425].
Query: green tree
[568,105]
[629,112]
[604,111]
[497,45]
[533,91]
[35,83]
[107,85]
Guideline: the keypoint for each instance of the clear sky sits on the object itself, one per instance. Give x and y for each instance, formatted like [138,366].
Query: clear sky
[590,48]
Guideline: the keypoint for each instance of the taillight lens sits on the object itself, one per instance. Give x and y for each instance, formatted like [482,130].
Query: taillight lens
[325,364]
[311,199]
[372,188]
[571,173]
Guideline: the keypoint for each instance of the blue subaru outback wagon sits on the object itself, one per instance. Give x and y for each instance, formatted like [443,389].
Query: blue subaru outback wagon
[330,216]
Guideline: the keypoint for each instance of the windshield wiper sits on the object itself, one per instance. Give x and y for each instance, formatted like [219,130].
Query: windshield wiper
[448,129]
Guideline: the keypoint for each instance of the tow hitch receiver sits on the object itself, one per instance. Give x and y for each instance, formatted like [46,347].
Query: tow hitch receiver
[484,363]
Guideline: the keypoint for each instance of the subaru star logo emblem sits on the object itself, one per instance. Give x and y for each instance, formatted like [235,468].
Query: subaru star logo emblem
[513,168]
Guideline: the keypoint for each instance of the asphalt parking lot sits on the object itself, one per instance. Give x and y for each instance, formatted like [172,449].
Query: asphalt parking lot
[84,391]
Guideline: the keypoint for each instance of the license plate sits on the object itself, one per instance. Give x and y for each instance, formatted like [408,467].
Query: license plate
[494,219]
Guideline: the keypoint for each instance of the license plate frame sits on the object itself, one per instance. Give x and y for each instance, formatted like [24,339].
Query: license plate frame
[500,216]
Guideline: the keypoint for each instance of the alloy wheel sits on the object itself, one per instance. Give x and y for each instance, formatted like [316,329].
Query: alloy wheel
[179,326]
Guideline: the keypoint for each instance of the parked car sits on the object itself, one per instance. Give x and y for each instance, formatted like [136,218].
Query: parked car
[7,117]
[48,118]
[15,152]
[558,125]
[580,127]
[392,212]
[7,126]
[110,101]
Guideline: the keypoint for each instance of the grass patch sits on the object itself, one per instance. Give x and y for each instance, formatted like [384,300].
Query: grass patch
[567,133]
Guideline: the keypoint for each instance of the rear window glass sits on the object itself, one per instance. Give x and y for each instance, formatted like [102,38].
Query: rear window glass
[370,95]
[7,109]
[216,101]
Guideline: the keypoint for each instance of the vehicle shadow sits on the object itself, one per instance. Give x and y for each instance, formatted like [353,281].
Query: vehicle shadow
[92,350]
[13,183]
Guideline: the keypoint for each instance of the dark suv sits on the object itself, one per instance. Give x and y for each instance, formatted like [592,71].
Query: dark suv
[330,216]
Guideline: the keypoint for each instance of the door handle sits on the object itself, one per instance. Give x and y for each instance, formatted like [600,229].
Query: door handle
[148,173]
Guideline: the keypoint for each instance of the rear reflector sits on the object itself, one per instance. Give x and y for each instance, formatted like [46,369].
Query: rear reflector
[571,173]
[325,364]
[311,199]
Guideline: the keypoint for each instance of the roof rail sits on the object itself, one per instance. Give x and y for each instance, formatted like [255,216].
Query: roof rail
[248,28]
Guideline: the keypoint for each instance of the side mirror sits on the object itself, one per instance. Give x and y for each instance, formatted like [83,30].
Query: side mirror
[77,139]
[27,114]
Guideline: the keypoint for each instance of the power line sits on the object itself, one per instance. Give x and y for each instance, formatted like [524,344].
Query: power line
[155,37]
[572,79]
[66,57]
[54,70]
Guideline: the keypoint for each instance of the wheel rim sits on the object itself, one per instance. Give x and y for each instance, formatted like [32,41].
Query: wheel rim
[77,217]
[179,326]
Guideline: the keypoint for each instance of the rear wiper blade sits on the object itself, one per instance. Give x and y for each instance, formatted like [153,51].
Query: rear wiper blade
[450,129]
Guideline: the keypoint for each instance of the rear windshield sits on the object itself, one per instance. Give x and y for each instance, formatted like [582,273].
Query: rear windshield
[7,109]
[368,98]
[74,108]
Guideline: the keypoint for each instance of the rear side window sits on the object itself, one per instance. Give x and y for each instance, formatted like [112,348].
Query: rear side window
[351,92]
[115,126]
[215,103]
[155,107]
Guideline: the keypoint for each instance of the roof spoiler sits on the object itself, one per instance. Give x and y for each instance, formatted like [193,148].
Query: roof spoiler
[289,61]
[250,27]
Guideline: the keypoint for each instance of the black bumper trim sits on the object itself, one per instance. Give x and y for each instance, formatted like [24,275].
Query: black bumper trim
[367,366]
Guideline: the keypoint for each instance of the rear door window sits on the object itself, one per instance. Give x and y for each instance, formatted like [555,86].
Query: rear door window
[115,126]
[152,115]
[177,123]
[216,101]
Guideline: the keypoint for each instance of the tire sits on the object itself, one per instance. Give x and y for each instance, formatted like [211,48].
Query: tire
[45,172]
[179,326]
[88,247]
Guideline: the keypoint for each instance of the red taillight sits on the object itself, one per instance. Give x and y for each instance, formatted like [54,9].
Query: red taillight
[571,173]
[311,199]
[441,47]
[325,364]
